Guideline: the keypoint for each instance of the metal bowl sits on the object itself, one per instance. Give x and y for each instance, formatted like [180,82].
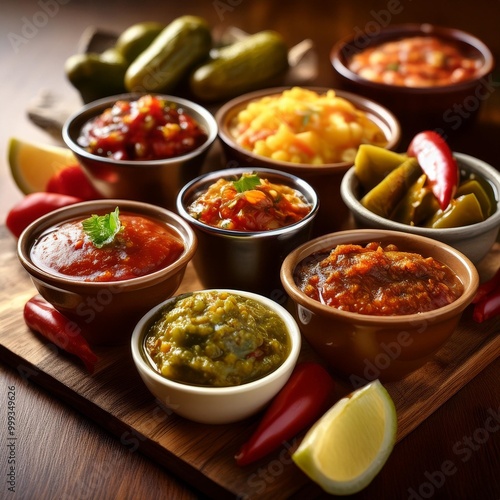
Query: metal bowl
[154,181]
[245,260]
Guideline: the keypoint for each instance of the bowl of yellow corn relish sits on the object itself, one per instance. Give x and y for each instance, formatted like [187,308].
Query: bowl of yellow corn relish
[313,133]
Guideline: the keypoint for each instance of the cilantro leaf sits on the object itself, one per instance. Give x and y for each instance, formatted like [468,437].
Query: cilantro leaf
[246,183]
[102,229]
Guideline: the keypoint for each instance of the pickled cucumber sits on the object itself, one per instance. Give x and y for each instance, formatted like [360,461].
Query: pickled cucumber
[137,38]
[96,75]
[249,64]
[183,43]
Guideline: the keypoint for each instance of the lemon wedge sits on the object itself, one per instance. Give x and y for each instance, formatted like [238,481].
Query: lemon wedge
[33,164]
[348,446]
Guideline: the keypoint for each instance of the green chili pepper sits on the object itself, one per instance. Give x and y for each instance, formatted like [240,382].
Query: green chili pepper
[373,163]
[462,211]
[475,187]
[386,195]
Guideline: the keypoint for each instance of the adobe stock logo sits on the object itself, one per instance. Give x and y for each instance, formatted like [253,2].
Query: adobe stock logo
[32,25]
[464,449]
[389,352]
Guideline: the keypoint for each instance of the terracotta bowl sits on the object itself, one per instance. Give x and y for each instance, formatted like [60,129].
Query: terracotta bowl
[325,179]
[245,260]
[448,107]
[155,181]
[362,347]
[214,405]
[107,311]
[474,240]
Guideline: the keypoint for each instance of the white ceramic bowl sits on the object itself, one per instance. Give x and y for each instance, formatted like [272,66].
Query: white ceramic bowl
[215,405]
[474,240]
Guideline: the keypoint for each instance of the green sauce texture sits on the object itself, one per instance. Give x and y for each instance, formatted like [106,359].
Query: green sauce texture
[217,339]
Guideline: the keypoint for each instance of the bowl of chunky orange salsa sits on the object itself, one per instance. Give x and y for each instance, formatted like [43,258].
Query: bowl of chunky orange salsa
[103,264]
[425,74]
[246,222]
[377,303]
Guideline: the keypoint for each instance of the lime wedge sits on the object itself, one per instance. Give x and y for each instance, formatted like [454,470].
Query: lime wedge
[348,446]
[33,164]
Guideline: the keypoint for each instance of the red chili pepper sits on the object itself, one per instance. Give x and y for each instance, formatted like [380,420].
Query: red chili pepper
[72,181]
[45,319]
[33,206]
[487,287]
[488,307]
[437,161]
[304,398]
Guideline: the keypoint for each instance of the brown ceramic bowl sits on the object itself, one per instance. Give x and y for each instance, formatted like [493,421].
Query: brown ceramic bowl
[107,311]
[325,179]
[362,347]
[474,240]
[239,259]
[448,107]
[154,181]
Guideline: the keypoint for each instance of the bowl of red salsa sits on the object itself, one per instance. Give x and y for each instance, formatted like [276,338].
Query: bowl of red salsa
[103,264]
[377,303]
[143,147]
[428,75]
[246,222]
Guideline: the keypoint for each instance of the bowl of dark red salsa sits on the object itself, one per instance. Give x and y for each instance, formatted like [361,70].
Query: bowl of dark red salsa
[377,303]
[143,147]
[103,264]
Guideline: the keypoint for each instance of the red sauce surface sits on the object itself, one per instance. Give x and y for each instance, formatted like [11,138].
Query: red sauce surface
[379,281]
[420,61]
[149,128]
[266,206]
[143,246]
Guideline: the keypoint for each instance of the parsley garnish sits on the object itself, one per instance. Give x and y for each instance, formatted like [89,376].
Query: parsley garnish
[102,229]
[246,183]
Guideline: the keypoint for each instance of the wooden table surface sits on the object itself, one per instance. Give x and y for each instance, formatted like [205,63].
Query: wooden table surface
[59,453]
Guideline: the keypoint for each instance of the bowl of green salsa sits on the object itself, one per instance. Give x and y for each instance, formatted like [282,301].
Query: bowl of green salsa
[218,355]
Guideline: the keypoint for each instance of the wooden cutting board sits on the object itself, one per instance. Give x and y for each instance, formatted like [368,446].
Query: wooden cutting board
[202,455]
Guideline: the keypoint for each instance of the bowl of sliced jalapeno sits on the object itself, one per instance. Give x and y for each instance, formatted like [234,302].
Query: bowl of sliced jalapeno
[428,190]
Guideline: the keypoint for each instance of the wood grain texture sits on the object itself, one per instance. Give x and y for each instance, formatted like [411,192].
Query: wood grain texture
[116,398]
[53,440]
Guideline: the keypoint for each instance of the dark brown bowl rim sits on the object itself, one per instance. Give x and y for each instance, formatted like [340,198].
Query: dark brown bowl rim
[201,182]
[338,58]
[376,112]
[74,123]
[364,236]
[70,212]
